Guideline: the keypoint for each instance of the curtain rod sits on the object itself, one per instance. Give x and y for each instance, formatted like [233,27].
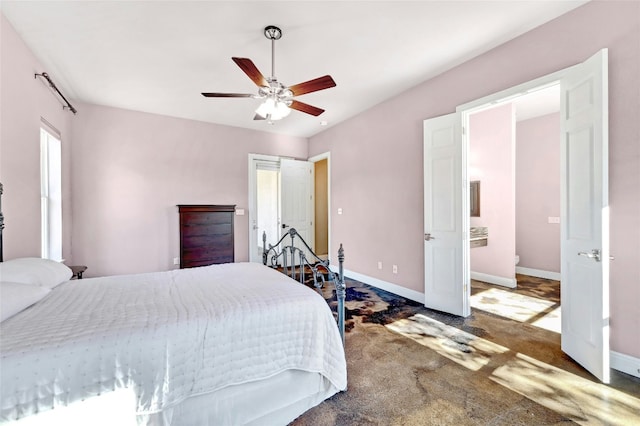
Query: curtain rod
[53,86]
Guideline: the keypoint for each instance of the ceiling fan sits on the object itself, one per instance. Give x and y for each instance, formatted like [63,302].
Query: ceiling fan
[278,98]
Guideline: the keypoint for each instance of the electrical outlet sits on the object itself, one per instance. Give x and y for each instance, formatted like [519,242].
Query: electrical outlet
[395,269]
[339,210]
[176,260]
[380,265]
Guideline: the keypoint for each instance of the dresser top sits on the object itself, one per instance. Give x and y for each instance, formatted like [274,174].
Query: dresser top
[206,207]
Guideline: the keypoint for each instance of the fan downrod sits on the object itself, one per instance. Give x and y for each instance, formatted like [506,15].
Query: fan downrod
[272,32]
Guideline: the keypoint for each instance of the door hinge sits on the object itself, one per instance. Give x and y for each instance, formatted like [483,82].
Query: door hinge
[464,288]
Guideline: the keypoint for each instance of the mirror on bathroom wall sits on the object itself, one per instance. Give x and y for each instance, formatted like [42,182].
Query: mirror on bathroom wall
[474,195]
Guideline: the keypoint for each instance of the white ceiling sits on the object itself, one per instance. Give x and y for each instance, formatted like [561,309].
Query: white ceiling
[158,56]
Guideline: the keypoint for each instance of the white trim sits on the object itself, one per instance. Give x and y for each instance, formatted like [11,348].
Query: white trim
[493,279]
[416,296]
[316,158]
[50,128]
[509,94]
[538,273]
[625,363]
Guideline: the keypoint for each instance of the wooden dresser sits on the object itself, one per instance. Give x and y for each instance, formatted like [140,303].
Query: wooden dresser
[206,234]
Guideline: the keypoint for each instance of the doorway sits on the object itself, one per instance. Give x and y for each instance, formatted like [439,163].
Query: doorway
[322,204]
[285,193]
[584,208]
[514,153]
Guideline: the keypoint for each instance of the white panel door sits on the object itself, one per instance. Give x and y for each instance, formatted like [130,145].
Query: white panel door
[444,249]
[296,179]
[584,215]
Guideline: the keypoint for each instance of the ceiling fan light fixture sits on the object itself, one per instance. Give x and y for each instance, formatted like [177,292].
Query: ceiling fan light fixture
[273,110]
[278,98]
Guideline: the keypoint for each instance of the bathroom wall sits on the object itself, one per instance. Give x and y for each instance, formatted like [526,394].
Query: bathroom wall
[538,192]
[492,162]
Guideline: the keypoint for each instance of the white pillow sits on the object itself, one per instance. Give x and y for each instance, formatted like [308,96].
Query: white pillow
[15,297]
[35,271]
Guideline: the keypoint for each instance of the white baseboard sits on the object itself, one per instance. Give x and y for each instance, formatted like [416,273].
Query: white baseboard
[407,293]
[625,363]
[538,273]
[493,279]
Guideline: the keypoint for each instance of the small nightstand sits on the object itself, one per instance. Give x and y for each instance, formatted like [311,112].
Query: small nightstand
[77,271]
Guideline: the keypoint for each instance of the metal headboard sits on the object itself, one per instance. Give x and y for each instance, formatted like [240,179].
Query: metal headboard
[317,267]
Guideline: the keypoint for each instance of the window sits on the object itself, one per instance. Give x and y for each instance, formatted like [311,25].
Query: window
[51,193]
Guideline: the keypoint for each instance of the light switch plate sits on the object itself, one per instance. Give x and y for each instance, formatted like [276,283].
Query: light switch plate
[239,212]
[554,219]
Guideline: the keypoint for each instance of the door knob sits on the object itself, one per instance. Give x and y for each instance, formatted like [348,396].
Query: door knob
[428,237]
[593,254]
[284,226]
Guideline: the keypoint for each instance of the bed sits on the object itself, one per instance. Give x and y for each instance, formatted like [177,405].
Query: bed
[237,343]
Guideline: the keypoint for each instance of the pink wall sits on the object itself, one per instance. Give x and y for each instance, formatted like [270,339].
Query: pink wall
[24,100]
[538,192]
[376,157]
[130,169]
[492,162]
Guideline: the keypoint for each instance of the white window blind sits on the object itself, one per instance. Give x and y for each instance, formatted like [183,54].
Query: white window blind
[51,192]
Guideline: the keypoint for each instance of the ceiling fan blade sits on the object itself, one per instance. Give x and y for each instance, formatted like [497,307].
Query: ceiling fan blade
[252,71]
[314,85]
[227,95]
[309,109]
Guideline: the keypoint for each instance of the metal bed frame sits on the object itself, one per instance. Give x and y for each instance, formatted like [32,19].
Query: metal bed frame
[281,254]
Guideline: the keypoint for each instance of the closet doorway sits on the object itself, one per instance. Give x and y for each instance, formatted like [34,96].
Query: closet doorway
[285,193]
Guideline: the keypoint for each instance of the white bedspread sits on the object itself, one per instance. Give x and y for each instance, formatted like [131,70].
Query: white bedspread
[167,335]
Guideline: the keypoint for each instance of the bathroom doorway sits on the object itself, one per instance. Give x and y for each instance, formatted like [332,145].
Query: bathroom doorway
[514,156]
